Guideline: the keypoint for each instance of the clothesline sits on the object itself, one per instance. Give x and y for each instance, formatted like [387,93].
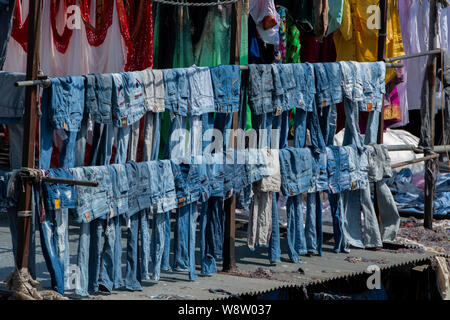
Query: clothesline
[46,81]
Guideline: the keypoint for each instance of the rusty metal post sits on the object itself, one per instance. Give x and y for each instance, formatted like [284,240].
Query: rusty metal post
[430,183]
[229,260]
[31,100]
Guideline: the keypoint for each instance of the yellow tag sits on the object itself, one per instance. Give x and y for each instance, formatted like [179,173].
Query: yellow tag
[324,103]
[369,106]
[88,217]
[111,212]
[64,125]
[57,203]
[353,185]
[124,122]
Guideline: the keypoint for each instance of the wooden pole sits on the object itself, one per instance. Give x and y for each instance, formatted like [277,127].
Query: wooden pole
[229,260]
[24,211]
[381,55]
[430,182]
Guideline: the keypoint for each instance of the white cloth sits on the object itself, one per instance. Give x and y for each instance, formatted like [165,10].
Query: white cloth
[80,57]
[263,8]
[414,23]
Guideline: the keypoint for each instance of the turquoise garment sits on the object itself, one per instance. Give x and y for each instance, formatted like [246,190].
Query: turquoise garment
[334,15]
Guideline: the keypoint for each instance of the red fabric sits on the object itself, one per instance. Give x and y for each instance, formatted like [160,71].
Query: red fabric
[137,33]
[96,35]
[314,51]
[19,31]
[61,41]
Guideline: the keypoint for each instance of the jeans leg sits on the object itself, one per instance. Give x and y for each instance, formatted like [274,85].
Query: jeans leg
[215,227]
[274,243]
[15,145]
[145,244]
[292,229]
[158,243]
[83,259]
[107,273]
[147,150]
[133,141]
[103,144]
[123,136]
[156,137]
[133,276]
[80,144]
[165,265]
[352,134]
[371,233]
[118,281]
[319,232]
[352,218]
[372,128]
[310,222]
[208,262]
[95,252]
[390,219]
[193,214]
[336,205]
[62,239]
[180,240]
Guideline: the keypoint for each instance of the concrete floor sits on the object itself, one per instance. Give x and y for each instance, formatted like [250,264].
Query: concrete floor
[176,285]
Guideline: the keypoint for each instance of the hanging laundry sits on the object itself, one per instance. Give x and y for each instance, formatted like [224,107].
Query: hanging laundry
[6,20]
[266,19]
[357,38]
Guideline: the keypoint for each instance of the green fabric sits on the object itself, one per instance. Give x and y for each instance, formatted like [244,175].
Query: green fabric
[244,52]
[293,42]
[183,57]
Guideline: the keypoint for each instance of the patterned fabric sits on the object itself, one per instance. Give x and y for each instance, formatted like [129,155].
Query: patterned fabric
[280,48]
[293,43]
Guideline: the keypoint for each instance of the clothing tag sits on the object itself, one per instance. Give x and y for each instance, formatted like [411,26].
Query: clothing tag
[331,188]
[64,125]
[324,103]
[111,212]
[369,106]
[57,204]
[354,185]
[128,223]
[88,217]
[124,122]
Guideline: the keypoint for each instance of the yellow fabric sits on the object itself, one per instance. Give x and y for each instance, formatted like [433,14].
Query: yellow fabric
[356,42]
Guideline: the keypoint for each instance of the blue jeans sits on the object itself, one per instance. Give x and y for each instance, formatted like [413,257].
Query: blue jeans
[313,223]
[133,271]
[158,242]
[208,262]
[295,232]
[55,265]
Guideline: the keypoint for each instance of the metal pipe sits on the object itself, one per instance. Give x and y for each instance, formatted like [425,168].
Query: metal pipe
[70,182]
[414,55]
[48,83]
[406,163]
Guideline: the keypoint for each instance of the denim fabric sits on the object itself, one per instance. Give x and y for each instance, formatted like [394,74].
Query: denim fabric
[176,91]
[201,95]
[328,122]
[6,18]
[290,86]
[102,145]
[329,83]
[261,88]
[104,91]
[90,96]
[279,94]
[260,221]
[353,81]
[152,133]
[55,265]
[313,223]
[379,163]
[273,181]
[162,186]
[374,74]
[306,87]
[308,120]
[296,234]
[59,196]
[226,81]
[187,182]
[128,98]
[215,173]
[133,183]
[133,269]
[13,98]
[352,134]
[120,188]
[175,147]
[93,203]
[208,262]
[255,167]
[336,205]
[65,103]
[153,81]
[274,250]
[158,242]
[296,171]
